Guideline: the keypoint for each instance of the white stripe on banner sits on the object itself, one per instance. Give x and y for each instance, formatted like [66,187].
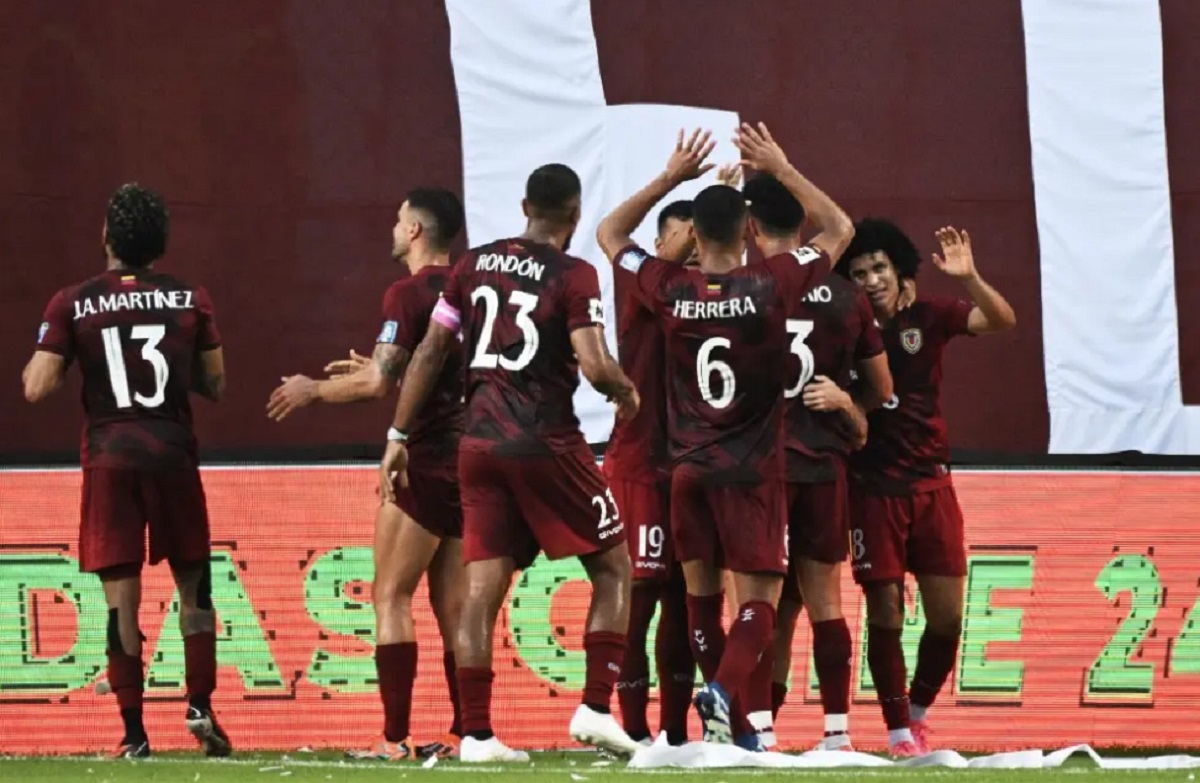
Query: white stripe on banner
[1110,331]
[529,92]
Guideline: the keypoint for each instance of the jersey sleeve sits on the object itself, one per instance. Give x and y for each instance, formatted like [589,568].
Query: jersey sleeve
[950,316]
[55,333]
[448,310]
[870,341]
[650,274]
[799,271]
[399,319]
[583,303]
[208,337]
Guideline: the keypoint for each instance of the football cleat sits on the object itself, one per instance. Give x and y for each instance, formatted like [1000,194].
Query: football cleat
[475,751]
[382,750]
[446,748]
[132,749]
[202,724]
[713,705]
[921,734]
[904,750]
[601,730]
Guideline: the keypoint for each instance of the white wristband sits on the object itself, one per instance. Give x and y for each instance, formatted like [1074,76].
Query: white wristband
[396,436]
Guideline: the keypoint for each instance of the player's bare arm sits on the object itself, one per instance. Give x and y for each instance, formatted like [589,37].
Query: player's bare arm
[208,379]
[875,385]
[603,372]
[420,377]
[43,375]
[687,162]
[992,312]
[370,382]
[760,151]
[822,394]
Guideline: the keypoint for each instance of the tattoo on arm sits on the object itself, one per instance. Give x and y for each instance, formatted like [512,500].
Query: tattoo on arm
[391,361]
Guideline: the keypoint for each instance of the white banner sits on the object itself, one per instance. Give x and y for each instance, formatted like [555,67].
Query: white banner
[1109,325]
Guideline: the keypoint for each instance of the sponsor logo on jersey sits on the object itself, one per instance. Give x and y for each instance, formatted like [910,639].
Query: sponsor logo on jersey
[910,340]
[388,333]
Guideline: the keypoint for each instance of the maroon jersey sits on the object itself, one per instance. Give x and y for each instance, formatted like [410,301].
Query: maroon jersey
[907,448]
[832,328]
[137,335]
[407,307]
[638,447]
[517,303]
[727,342]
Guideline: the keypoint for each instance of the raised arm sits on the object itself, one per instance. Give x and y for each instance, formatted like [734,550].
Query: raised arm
[686,163]
[602,371]
[992,312]
[208,378]
[760,151]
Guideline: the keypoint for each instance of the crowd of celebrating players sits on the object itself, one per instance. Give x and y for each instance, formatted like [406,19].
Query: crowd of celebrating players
[773,419]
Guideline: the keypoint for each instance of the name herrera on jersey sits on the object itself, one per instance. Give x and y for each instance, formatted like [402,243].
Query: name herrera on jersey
[726,308]
[525,267]
[133,300]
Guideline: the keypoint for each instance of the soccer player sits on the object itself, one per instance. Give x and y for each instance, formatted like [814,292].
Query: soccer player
[834,340]
[143,339]
[904,514]
[636,467]
[727,342]
[531,319]
[418,529]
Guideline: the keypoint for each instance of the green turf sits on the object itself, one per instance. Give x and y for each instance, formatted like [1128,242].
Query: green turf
[578,767]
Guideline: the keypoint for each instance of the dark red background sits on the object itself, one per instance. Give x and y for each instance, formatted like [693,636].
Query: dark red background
[283,135]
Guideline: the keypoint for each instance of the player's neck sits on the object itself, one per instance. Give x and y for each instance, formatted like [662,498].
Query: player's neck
[116,265]
[418,261]
[547,233]
[774,246]
[719,260]
[886,313]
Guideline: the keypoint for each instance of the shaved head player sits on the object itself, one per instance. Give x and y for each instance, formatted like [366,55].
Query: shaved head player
[531,319]
[418,529]
[727,345]
[143,340]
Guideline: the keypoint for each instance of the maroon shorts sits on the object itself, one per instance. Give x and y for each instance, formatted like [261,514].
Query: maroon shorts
[433,501]
[921,533]
[645,508]
[818,526]
[120,504]
[739,527]
[515,506]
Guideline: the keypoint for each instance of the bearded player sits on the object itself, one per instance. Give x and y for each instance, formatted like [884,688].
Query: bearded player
[144,340]
[904,513]
[637,470]
[727,341]
[418,529]
[834,340]
[531,320]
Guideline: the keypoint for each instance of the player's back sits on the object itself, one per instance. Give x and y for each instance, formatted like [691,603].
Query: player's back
[831,329]
[520,300]
[727,342]
[136,335]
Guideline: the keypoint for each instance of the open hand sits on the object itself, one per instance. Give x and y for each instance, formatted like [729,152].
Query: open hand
[956,260]
[687,161]
[759,149]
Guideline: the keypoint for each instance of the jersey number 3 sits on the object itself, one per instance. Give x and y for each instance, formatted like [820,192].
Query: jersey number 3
[117,375]
[525,303]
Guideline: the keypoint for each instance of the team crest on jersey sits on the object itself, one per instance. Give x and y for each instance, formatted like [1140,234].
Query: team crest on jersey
[632,260]
[911,340]
[388,333]
[45,327]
